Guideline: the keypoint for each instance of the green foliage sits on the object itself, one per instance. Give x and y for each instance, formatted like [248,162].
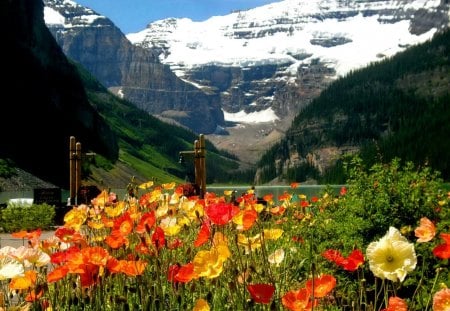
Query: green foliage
[7,168]
[394,108]
[16,217]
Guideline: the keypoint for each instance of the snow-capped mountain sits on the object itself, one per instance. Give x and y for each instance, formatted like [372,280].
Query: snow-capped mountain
[257,67]
[288,42]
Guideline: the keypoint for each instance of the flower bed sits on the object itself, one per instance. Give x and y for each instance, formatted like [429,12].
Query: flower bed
[379,244]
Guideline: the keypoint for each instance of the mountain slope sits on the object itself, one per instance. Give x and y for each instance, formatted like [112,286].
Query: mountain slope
[46,101]
[395,108]
[129,71]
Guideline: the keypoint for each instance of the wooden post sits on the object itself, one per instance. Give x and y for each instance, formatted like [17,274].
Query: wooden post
[72,176]
[199,155]
[78,172]
[202,164]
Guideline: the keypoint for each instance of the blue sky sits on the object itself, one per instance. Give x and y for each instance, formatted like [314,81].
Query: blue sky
[134,15]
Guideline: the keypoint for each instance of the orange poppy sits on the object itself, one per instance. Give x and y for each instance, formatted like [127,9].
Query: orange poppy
[249,218]
[116,240]
[95,255]
[397,304]
[203,235]
[57,274]
[297,300]
[134,267]
[261,293]
[441,300]
[277,210]
[426,230]
[294,184]
[34,295]
[322,285]
[29,235]
[124,224]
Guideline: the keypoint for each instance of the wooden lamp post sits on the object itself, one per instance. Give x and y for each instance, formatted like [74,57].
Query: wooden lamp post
[75,169]
[199,155]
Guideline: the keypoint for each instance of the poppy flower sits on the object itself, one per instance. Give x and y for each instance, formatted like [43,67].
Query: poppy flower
[208,263]
[261,293]
[186,273]
[221,213]
[297,300]
[57,274]
[396,304]
[294,185]
[146,222]
[426,230]
[116,240]
[343,191]
[24,282]
[201,305]
[441,300]
[158,238]
[322,285]
[443,250]
[172,272]
[203,235]
[391,257]
[351,263]
[123,224]
[276,257]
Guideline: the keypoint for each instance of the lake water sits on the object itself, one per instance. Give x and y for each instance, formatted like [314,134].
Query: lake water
[308,190]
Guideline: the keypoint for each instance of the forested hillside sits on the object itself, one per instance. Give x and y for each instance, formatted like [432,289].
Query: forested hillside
[399,107]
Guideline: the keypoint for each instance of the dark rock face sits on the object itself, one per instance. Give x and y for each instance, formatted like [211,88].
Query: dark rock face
[50,103]
[132,72]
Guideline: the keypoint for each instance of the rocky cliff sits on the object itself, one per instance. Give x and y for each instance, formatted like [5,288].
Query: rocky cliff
[129,71]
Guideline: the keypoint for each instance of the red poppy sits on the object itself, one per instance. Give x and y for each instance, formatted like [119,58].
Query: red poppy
[65,234]
[314,199]
[175,244]
[203,235]
[343,191]
[351,263]
[304,203]
[172,272]
[333,255]
[146,222]
[322,285]
[294,184]
[221,213]
[186,273]
[443,250]
[261,293]
[159,238]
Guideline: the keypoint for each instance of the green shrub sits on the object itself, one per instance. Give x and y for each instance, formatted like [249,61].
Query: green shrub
[27,217]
